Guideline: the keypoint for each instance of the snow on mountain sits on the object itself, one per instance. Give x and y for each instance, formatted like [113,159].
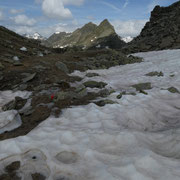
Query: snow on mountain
[136,139]
[35,36]
[127,39]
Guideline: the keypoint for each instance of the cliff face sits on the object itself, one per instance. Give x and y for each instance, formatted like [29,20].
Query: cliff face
[161,32]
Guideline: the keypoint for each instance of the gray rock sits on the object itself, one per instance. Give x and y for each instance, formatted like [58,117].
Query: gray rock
[92,74]
[8,60]
[63,95]
[155,73]
[41,87]
[80,88]
[143,92]
[94,84]
[67,157]
[173,90]
[82,93]
[23,87]
[61,66]
[47,52]
[40,67]
[40,54]
[29,77]
[105,92]
[142,86]
[9,106]
[38,176]
[27,111]
[17,104]
[119,96]
[104,102]
[172,75]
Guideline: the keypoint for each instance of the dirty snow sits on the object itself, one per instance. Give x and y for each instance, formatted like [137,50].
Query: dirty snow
[16,58]
[10,120]
[136,139]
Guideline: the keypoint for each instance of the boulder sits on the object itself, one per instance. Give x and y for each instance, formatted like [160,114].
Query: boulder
[155,73]
[173,90]
[104,102]
[142,86]
[29,77]
[94,84]
[61,66]
[92,74]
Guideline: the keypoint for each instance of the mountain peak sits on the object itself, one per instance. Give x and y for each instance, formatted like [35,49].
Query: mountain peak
[88,35]
[105,22]
[90,25]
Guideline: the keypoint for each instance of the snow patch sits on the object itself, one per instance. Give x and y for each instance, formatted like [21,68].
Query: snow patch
[127,39]
[135,139]
[23,49]
[9,120]
[16,58]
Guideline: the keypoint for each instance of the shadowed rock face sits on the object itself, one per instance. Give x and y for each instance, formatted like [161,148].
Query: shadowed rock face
[161,32]
[90,35]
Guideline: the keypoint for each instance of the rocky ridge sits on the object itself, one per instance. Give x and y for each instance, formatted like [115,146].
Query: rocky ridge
[90,35]
[161,32]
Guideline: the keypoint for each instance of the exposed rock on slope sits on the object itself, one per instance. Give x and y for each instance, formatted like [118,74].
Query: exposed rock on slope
[112,41]
[14,47]
[90,35]
[161,32]
[55,38]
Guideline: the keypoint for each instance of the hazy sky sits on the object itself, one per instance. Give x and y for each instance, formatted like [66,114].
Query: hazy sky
[48,16]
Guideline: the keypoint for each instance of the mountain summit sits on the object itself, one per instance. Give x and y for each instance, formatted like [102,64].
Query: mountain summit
[90,35]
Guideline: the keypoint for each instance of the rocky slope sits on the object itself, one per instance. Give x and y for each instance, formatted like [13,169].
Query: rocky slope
[14,46]
[90,35]
[25,65]
[161,32]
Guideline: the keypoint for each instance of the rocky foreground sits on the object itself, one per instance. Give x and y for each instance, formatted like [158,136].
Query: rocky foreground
[74,114]
[126,123]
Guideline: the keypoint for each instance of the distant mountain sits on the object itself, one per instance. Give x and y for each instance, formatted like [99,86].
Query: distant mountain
[127,39]
[90,35]
[35,36]
[161,32]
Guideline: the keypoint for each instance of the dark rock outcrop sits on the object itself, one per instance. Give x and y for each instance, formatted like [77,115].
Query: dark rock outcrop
[161,32]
